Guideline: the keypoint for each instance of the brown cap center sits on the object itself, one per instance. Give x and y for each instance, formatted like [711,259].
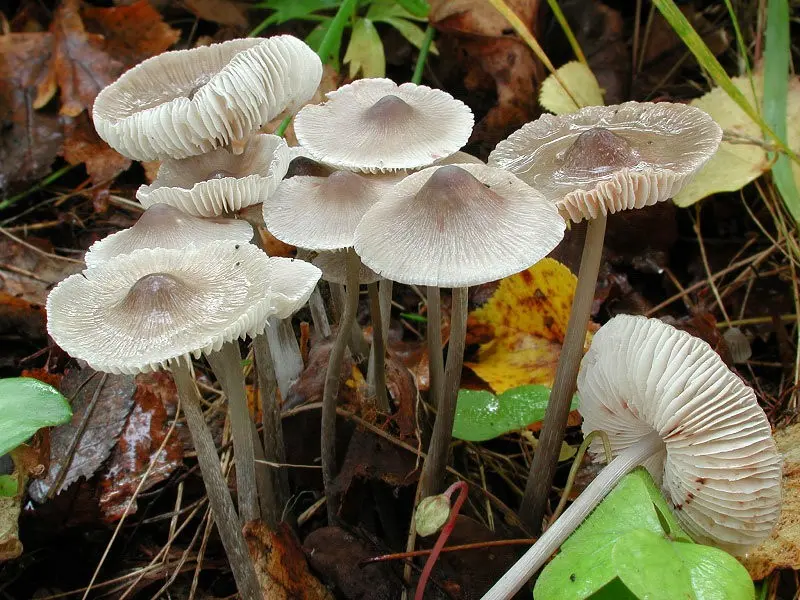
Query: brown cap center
[156,296]
[389,108]
[454,186]
[344,185]
[306,167]
[598,151]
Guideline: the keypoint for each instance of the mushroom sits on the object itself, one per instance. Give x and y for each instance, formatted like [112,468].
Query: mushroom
[188,102]
[155,308]
[220,182]
[163,226]
[668,402]
[334,269]
[599,160]
[387,127]
[455,226]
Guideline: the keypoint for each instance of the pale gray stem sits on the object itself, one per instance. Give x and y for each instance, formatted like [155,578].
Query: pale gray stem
[559,531]
[227,366]
[356,343]
[435,465]
[376,374]
[543,466]
[318,314]
[286,358]
[434,333]
[219,497]
[332,380]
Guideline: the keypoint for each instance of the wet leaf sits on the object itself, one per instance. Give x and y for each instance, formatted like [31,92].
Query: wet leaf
[83,145]
[580,80]
[526,319]
[481,416]
[138,445]
[27,405]
[96,437]
[365,51]
[29,275]
[224,12]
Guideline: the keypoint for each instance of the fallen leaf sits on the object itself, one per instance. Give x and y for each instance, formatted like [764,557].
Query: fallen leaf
[223,12]
[527,317]
[581,83]
[782,549]
[10,507]
[28,274]
[96,438]
[281,567]
[138,445]
[18,316]
[365,51]
[83,145]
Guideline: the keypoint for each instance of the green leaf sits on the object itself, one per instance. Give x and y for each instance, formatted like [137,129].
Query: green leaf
[314,39]
[411,31]
[8,486]
[27,405]
[365,51]
[480,415]
[418,8]
[381,10]
[295,9]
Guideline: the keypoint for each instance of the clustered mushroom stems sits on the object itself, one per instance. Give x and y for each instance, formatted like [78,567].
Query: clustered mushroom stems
[625,462]
[219,497]
[385,288]
[543,465]
[357,344]
[285,352]
[378,350]
[333,379]
[434,334]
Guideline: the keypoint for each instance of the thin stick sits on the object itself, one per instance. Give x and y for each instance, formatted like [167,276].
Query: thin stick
[433,469]
[219,497]
[332,380]
[434,333]
[378,351]
[576,464]
[545,458]
[227,366]
[458,548]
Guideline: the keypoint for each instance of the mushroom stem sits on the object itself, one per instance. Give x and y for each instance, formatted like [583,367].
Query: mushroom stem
[357,344]
[433,469]
[332,381]
[540,477]
[286,358]
[278,493]
[377,365]
[434,333]
[318,314]
[219,497]
[535,557]
[227,366]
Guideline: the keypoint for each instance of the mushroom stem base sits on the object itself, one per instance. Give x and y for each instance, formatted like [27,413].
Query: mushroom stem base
[434,334]
[376,373]
[551,539]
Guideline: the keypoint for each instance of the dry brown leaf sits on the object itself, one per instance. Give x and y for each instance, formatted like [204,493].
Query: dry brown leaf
[28,274]
[223,12]
[83,145]
[10,544]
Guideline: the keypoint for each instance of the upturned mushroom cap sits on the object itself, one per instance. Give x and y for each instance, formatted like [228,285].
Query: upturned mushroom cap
[321,213]
[163,226]
[374,125]
[220,181]
[457,225]
[143,309]
[604,159]
[720,470]
[334,269]
[188,102]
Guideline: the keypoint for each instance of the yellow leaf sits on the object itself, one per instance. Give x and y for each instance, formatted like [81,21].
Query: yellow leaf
[737,163]
[527,317]
[581,82]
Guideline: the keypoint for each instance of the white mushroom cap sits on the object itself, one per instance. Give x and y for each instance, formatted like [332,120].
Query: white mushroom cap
[321,213]
[220,181]
[334,268]
[604,159]
[375,125]
[141,310]
[188,102]
[163,226]
[457,225]
[721,471]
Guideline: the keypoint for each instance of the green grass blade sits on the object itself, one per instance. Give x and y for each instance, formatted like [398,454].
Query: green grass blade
[573,41]
[776,89]
[419,68]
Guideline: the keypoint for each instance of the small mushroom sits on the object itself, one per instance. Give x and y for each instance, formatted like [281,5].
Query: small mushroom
[667,401]
[596,161]
[163,226]
[188,102]
[220,182]
[375,125]
[455,226]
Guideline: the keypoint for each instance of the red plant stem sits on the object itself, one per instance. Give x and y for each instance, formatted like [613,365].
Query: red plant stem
[457,548]
[462,488]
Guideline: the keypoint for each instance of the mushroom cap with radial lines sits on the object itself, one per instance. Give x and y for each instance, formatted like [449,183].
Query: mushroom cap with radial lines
[164,226]
[720,470]
[187,102]
[604,159]
[220,181]
[141,310]
[457,225]
[375,125]
[321,213]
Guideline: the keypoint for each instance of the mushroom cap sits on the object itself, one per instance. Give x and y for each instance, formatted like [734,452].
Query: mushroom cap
[720,470]
[604,159]
[187,102]
[164,226]
[141,310]
[334,268]
[457,225]
[220,181]
[375,125]
[321,213]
